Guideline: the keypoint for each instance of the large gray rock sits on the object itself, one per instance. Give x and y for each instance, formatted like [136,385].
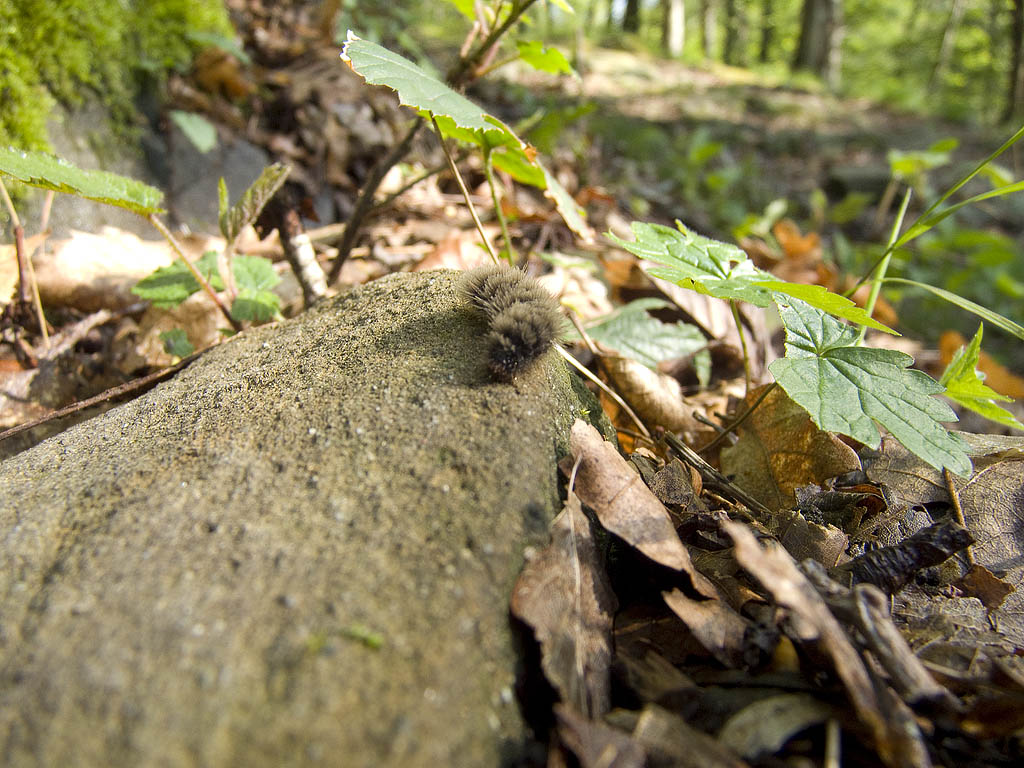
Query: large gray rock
[185,579]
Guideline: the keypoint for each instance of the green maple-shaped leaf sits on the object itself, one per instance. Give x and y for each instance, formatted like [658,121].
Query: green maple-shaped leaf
[254,277]
[966,386]
[722,270]
[847,389]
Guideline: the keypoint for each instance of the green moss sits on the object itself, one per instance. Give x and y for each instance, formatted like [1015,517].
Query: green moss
[54,50]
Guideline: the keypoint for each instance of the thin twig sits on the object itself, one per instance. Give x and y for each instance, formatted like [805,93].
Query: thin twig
[163,230]
[489,174]
[604,388]
[958,510]
[407,186]
[883,264]
[135,386]
[739,421]
[465,191]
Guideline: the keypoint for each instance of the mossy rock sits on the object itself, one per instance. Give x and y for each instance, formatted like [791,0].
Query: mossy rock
[299,551]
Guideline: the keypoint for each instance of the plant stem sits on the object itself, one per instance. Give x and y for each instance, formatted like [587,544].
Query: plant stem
[489,173]
[465,192]
[882,266]
[743,344]
[365,200]
[163,230]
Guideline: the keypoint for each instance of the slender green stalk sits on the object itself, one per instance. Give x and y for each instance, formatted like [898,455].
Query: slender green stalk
[743,344]
[489,173]
[883,265]
[163,230]
[465,192]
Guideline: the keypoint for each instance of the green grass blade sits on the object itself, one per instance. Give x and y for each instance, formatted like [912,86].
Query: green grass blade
[986,314]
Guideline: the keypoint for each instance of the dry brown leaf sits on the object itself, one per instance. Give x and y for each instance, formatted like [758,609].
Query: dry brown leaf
[626,507]
[981,583]
[670,740]
[780,449]
[715,625]
[564,595]
[595,744]
[762,728]
[656,398]
[773,567]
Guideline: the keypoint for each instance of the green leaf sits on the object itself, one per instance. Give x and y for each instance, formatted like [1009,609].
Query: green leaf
[176,343]
[993,318]
[544,59]
[417,88]
[465,7]
[847,389]
[966,385]
[698,263]
[259,193]
[197,129]
[926,222]
[169,286]
[563,5]
[634,333]
[254,277]
[38,169]
[821,298]
[571,213]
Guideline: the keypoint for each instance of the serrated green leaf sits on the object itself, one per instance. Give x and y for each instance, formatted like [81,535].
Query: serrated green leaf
[171,285]
[698,263]
[847,389]
[253,274]
[38,169]
[543,58]
[259,193]
[993,318]
[197,129]
[416,87]
[634,333]
[821,298]
[258,307]
[176,343]
[966,385]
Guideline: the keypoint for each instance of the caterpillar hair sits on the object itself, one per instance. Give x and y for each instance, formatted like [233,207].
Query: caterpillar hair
[522,318]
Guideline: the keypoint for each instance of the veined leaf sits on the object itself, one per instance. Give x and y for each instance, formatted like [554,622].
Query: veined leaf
[259,193]
[416,87]
[847,389]
[966,385]
[835,304]
[254,277]
[171,285]
[698,263]
[38,169]
[994,318]
[197,129]
[646,339]
[176,343]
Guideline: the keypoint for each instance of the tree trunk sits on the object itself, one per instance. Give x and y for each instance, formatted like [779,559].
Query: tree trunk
[673,27]
[734,52]
[708,28]
[956,14]
[819,49]
[767,30]
[1015,92]
[631,18]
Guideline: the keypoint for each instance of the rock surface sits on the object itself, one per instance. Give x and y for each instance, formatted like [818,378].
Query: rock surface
[199,577]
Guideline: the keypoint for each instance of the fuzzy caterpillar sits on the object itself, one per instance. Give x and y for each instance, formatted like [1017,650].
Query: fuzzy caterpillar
[523,319]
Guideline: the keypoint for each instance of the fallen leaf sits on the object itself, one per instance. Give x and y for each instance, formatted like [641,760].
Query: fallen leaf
[762,728]
[981,583]
[780,449]
[656,397]
[564,595]
[715,625]
[595,744]
[670,740]
[626,507]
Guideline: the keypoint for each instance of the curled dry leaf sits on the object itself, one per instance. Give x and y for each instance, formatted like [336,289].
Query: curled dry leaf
[775,570]
[564,595]
[762,728]
[656,397]
[595,744]
[981,583]
[715,625]
[780,449]
[626,507]
[670,740]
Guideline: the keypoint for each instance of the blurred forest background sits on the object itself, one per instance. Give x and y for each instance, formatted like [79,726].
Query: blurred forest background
[733,116]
